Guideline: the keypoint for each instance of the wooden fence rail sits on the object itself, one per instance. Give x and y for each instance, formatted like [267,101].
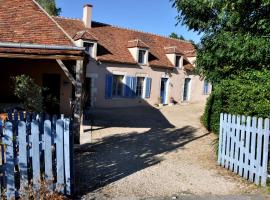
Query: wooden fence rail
[243,146]
[34,153]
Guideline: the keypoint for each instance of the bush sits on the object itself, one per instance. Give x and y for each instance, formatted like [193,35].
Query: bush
[28,92]
[246,94]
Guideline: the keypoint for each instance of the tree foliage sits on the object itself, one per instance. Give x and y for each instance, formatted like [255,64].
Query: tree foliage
[244,94]
[236,35]
[176,36]
[28,92]
[50,7]
[180,37]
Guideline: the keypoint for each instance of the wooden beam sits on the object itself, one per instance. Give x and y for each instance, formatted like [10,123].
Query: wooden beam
[65,69]
[50,57]
[78,101]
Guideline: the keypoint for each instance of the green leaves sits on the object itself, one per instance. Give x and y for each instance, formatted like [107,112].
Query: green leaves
[50,7]
[243,94]
[28,92]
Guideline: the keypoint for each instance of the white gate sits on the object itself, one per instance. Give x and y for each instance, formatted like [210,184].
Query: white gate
[243,146]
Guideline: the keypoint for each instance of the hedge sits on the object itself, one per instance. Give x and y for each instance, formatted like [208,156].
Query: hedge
[245,94]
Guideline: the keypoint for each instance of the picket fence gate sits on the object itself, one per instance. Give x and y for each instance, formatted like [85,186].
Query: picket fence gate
[243,146]
[35,153]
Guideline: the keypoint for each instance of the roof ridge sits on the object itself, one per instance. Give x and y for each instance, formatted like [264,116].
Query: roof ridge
[62,17]
[145,32]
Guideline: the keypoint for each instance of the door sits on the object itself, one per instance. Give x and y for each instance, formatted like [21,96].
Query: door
[186,94]
[51,93]
[163,90]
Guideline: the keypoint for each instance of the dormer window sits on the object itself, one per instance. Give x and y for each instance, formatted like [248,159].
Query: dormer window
[177,61]
[89,47]
[142,56]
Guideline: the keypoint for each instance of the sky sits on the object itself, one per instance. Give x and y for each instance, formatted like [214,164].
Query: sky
[144,15]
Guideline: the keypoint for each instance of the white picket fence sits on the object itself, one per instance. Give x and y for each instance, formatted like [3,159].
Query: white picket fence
[243,146]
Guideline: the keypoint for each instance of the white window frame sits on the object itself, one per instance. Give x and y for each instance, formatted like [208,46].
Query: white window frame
[94,49]
[145,56]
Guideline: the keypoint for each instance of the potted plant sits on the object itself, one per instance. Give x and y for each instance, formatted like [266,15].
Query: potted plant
[172,101]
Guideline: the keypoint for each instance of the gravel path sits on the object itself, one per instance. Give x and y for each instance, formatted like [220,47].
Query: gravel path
[140,153]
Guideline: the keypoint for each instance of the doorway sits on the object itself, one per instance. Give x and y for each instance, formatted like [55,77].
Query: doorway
[51,93]
[164,90]
[186,94]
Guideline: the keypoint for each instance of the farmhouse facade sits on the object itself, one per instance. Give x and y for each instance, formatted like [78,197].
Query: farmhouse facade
[131,68]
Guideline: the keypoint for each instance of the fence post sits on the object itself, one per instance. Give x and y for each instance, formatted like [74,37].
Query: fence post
[8,135]
[67,155]
[2,157]
[220,138]
[60,155]
[23,147]
[265,152]
[35,154]
[48,153]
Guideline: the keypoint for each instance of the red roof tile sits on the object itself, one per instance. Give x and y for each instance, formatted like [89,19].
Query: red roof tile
[115,41]
[23,21]
[137,43]
[84,35]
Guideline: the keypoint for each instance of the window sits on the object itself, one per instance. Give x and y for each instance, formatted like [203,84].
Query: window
[89,47]
[206,88]
[118,86]
[178,61]
[139,87]
[142,57]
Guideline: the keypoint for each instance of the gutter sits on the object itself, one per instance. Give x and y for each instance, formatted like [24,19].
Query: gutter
[40,46]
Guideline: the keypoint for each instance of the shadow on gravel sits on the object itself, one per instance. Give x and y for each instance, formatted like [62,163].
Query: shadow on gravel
[118,156]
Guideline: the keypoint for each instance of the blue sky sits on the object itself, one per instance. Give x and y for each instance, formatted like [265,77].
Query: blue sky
[144,15]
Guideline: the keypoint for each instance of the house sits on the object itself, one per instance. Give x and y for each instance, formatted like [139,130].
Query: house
[32,43]
[131,68]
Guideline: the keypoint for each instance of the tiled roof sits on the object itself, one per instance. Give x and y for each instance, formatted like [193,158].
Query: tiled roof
[114,42]
[84,35]
[24,21]
[137,43]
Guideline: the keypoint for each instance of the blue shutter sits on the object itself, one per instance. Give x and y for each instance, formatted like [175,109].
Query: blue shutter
[205,89]
[108,86]
[127,86]
[148,87]
[134,87]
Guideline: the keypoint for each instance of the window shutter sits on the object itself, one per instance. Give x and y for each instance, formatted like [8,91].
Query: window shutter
[206,85]
[134,87]
[148,87]
[127,86]
[108,86]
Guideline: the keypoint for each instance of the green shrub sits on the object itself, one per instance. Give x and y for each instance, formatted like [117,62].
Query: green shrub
[28,92]
[246,94]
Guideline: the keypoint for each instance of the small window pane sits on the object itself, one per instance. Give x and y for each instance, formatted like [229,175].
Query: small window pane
[142,56]
[89,48]
[139,88]
[118,85]
[177,61]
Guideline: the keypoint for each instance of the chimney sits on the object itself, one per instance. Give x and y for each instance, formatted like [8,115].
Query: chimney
[87,15]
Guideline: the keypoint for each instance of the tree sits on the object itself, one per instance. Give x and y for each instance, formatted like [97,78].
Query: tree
[236,35]
[176,36]
[180,37]
[50,7]
[233,54]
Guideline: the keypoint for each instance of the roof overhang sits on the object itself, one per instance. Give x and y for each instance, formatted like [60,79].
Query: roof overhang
[36,51]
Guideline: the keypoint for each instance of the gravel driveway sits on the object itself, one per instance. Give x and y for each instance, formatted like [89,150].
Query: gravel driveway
[148,153]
